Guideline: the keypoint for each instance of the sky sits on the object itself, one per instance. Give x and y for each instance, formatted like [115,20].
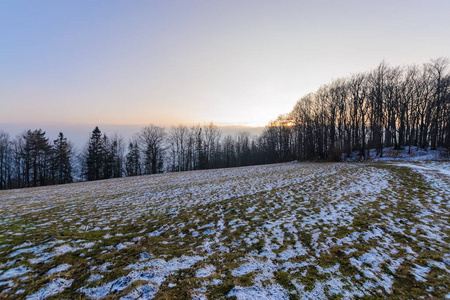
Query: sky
[235,63]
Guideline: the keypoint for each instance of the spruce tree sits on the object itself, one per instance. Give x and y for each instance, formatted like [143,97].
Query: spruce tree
[133,158]
[95,156]
[36,155]
[62,154]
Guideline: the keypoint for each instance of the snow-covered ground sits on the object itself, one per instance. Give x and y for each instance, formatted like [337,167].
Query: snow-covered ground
[286,231]
[412,153]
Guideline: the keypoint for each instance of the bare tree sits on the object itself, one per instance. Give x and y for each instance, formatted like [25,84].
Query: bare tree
[5,160]
[211,144]
[152,140]
[178,141]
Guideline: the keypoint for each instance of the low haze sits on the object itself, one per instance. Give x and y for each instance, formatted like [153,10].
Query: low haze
[79,133]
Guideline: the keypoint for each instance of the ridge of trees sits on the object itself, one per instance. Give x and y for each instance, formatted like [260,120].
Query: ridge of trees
[387,107]
[398,107]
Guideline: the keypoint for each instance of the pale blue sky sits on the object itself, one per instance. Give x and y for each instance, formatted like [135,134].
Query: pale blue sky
[168,62]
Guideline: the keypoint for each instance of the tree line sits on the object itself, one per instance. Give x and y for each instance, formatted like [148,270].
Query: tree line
[32,160]
[394,107]
[398,107]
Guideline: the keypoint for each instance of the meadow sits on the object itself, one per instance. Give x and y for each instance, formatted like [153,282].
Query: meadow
[284,231]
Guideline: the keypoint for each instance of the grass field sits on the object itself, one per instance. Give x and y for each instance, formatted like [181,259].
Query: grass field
[286,231]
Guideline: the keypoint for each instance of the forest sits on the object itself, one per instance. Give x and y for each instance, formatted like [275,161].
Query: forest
[399,107]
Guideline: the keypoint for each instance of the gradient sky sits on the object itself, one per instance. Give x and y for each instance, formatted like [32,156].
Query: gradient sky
[169,62]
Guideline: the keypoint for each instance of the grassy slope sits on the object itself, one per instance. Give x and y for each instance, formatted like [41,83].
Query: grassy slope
[290,231]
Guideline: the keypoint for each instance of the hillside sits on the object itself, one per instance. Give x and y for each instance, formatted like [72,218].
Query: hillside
[285,231]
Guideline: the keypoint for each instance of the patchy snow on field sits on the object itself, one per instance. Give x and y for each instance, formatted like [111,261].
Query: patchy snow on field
[309,230]
[53,288]
[411,154]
